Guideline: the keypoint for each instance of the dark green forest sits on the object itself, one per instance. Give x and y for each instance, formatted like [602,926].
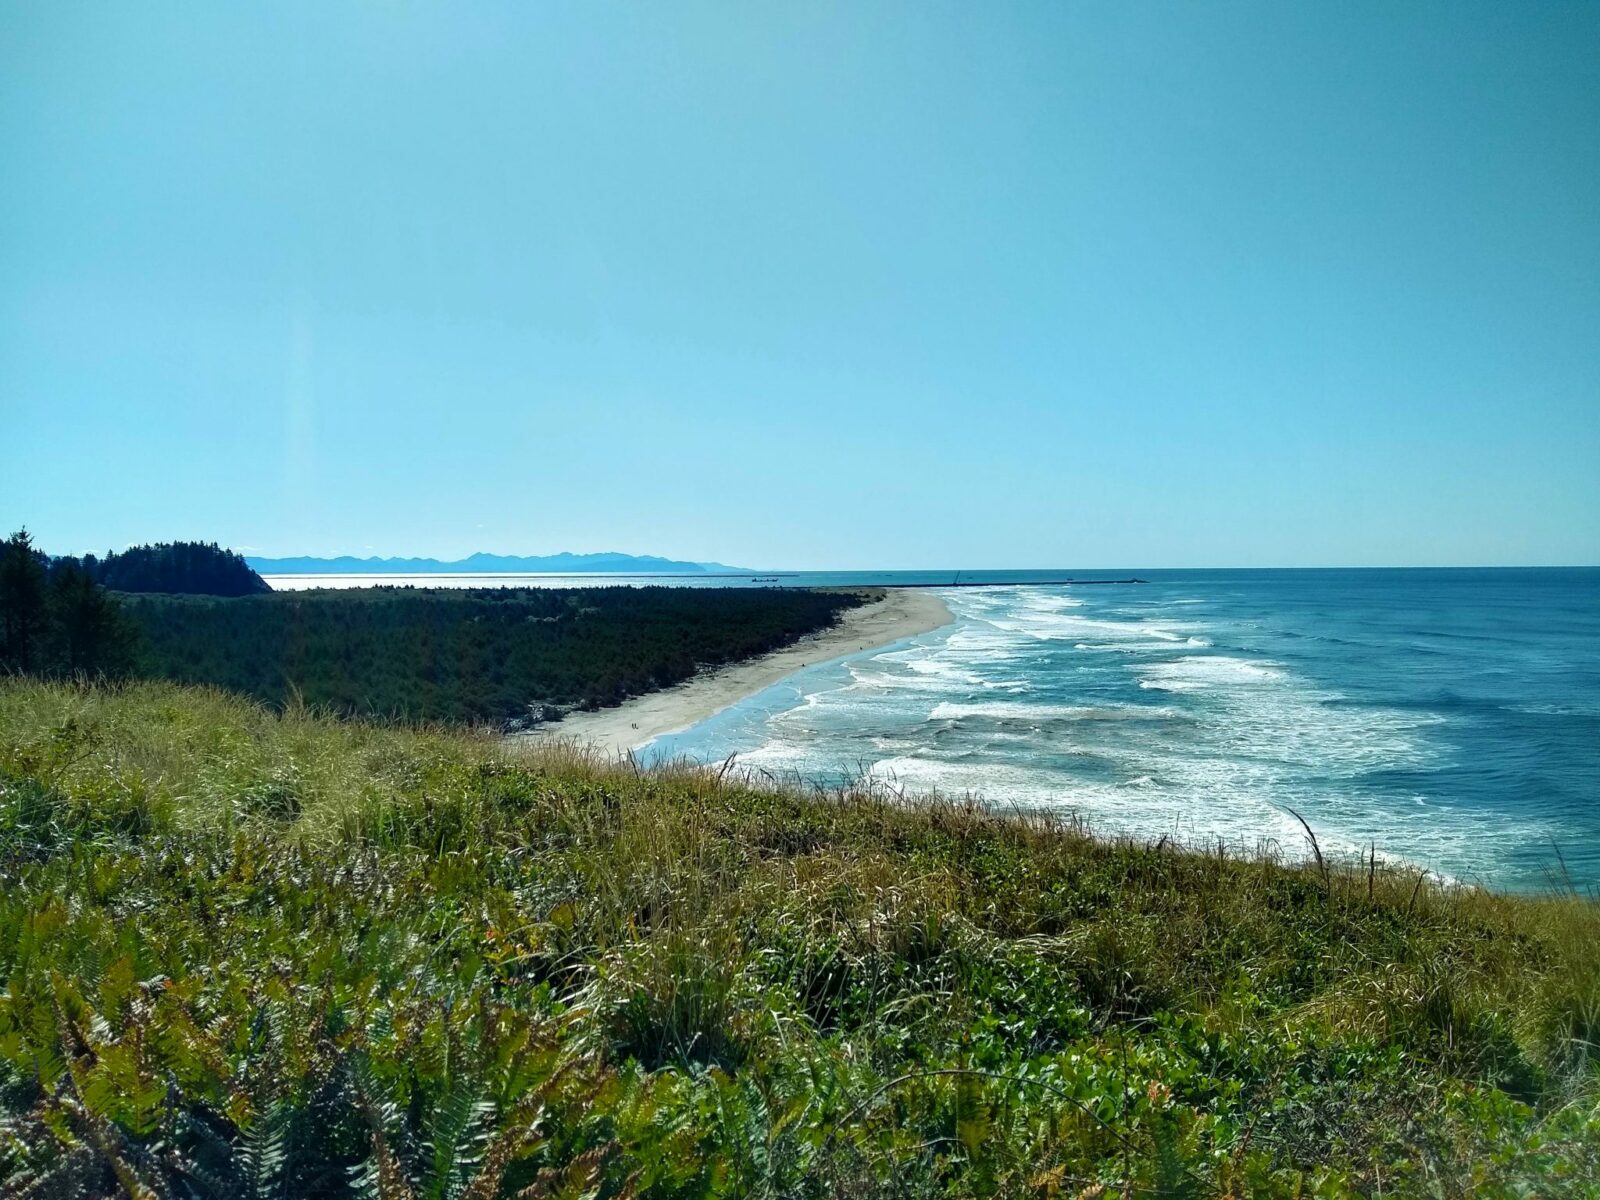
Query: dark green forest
[480,655]
[194,568]
[484,655]
[55,619]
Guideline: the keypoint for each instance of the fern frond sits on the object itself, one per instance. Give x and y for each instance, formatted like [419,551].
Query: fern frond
[384,1176]
[458,1133]
[264,1153]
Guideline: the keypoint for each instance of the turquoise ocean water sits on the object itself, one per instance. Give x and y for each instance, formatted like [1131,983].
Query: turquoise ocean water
[1452,717]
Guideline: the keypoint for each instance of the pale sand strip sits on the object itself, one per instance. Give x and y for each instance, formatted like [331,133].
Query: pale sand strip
[902,613]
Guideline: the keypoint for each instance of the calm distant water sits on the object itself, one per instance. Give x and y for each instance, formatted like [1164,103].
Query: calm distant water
[1450,716]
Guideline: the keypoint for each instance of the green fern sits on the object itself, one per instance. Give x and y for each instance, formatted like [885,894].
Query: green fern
[458,1129]
[264,1153]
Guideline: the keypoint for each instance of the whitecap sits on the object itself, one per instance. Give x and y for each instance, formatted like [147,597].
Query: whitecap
[1194,673]
[1003,711]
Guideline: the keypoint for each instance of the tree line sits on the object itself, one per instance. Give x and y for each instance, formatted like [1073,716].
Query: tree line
[492,654]
[191,568]
[57,616]
[55,619]
[484,655]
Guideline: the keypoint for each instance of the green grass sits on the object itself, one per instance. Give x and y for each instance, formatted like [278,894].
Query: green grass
[259,954]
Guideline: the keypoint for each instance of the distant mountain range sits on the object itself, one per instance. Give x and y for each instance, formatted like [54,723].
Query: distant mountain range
[561,564]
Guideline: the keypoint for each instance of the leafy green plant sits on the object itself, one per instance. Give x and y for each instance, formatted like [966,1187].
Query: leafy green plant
[256,953]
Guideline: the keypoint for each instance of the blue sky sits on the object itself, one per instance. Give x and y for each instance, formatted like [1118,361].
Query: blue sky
[806,285]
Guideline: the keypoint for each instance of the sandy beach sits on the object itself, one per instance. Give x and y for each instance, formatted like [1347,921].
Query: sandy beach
[903,612]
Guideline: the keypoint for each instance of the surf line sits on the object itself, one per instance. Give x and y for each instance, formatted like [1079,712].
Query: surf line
[990,583]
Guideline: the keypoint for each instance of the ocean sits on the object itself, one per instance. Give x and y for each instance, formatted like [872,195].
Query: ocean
[1449,717]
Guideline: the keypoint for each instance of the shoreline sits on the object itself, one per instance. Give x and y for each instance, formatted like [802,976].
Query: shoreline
[615,732]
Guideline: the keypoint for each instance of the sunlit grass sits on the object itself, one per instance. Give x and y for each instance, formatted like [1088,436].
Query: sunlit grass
[257,953]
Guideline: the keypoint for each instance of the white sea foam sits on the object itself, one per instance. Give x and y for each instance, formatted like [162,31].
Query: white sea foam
[1031,699]
[1556,710]
[1048,601]
[1194,673]
[1002,711]
[1125,647]
[1069,627]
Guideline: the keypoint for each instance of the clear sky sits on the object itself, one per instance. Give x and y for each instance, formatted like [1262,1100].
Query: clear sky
[806,284]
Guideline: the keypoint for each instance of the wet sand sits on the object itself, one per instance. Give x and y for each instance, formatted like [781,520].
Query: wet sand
[901,613]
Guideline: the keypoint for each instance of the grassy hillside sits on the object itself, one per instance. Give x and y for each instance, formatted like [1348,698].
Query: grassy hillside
[466,656]
[250,954]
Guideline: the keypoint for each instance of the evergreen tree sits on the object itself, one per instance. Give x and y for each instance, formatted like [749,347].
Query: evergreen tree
[192,568]
[24,613]
[195,568]
[91,636]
